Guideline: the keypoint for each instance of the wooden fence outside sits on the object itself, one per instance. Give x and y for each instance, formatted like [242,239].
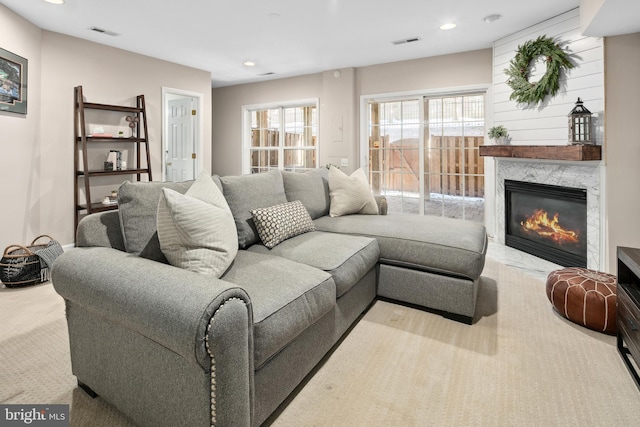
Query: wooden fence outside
[264,138]
[448,162]
[265,150]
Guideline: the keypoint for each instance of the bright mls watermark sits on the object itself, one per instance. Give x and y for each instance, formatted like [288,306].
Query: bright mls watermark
[34,415]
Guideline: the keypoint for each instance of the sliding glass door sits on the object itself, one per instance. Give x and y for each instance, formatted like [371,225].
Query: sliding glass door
[423,154]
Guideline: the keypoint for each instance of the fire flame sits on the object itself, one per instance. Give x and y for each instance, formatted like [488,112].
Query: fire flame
[540,223]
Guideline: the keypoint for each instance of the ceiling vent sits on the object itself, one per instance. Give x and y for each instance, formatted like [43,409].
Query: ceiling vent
[407,40]
[103,31]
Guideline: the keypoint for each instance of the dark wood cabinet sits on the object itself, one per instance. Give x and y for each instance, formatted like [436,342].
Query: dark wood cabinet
[628,315]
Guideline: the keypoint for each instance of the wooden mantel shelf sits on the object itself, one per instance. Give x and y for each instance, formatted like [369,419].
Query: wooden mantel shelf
[544,152]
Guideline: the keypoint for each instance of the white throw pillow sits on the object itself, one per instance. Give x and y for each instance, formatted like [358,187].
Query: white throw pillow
[350,194]
[196,230]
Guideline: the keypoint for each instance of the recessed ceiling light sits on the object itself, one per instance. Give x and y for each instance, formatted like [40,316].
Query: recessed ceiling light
[449,26]
[492,18]
[55,1]
[249,64]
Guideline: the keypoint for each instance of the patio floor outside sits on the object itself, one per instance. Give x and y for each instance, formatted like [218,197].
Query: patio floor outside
[468,208]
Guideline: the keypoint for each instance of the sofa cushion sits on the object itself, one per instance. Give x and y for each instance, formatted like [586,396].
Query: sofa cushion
[441,245]
[311,188]
[281,222]
[137,209]
[350,194]
[246,192]
[287,297]
[346,258]
[137,212]
[196,230]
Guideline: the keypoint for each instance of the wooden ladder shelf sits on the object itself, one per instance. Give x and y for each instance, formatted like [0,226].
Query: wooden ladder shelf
[83,141]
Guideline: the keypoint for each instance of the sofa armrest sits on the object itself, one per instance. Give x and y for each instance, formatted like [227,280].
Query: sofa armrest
[205,321]
[382,204]
[169,305]
[100,229]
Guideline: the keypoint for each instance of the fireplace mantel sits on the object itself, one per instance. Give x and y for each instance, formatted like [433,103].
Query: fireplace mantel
[544,152]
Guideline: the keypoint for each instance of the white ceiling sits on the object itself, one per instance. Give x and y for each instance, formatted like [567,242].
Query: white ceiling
[294,37]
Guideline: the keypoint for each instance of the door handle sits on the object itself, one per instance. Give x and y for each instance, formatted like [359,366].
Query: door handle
[169,163]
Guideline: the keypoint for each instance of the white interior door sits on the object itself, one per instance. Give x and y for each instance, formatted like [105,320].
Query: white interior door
[181,154]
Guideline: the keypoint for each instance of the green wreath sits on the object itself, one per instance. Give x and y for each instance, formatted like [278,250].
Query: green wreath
[525,92]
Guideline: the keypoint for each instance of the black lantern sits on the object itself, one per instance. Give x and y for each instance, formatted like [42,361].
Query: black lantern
[580,125]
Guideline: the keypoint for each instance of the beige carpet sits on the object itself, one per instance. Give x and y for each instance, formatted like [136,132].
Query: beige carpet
[519,364]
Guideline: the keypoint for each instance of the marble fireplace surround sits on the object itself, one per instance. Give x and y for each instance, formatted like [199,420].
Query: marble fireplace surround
[584,174]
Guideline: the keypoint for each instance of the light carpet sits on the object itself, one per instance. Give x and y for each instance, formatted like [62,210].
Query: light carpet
[519,364]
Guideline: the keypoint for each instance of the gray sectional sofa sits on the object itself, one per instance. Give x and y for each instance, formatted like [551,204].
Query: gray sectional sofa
[170,347]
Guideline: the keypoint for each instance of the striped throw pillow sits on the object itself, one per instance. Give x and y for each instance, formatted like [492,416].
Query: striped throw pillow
[196,230]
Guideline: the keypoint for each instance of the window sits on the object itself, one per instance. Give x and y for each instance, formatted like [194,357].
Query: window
[424,156]
[282,137]
[394,155]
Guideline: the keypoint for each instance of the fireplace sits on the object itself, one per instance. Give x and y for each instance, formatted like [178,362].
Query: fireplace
[547,221]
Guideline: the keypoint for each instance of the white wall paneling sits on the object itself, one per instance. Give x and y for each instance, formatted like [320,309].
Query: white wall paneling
[546,123]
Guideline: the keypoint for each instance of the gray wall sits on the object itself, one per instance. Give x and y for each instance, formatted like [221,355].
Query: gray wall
[622,148]
[36,150]
[339,95]
[227,114]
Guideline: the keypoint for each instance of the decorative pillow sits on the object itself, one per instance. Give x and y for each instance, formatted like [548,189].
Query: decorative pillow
[246,192]
[311,188]
[350,194]
[281,222]
[196,230]
[137,210]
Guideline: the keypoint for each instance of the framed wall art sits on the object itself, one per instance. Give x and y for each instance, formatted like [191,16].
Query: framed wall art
[13,82]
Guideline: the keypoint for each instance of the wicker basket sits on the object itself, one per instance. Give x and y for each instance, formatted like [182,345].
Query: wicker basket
[21,266]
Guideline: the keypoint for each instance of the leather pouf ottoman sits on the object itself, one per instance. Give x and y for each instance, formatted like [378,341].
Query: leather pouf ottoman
[586,297]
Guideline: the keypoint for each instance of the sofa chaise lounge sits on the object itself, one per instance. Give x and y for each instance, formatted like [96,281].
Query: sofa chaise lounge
[170,347]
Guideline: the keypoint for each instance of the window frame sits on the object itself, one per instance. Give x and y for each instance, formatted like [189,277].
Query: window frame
[246,129]
[366,100]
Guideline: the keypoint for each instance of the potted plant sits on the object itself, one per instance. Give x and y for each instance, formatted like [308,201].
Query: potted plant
[499,134]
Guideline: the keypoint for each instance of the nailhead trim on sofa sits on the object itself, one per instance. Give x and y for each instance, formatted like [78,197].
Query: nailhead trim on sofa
[213,362]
